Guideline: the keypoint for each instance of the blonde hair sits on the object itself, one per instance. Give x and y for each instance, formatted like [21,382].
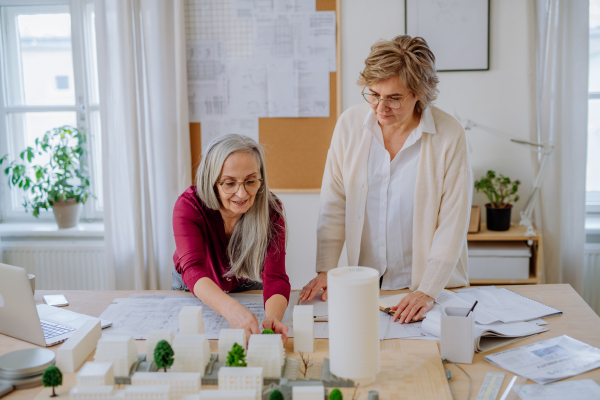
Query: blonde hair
[408,58]
[254,230]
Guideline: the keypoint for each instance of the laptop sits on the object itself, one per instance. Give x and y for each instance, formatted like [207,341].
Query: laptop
[43,325]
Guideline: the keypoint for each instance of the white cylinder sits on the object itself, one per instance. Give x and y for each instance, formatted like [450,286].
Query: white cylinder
[353,298]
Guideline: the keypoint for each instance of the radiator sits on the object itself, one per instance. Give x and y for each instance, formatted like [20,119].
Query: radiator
[60,265]
[591,276]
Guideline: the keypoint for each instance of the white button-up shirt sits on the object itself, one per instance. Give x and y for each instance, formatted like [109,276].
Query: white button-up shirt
[386,241]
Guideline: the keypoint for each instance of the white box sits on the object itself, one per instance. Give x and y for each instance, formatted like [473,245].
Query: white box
[499,260]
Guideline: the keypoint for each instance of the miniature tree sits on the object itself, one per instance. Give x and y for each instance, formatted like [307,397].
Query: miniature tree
[336,395]
[267,331]
[236,357]
[52,378]
[163,355]
[305,362]
[276,395]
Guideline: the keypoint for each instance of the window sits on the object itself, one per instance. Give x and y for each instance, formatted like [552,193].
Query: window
[593,155]
[48,78]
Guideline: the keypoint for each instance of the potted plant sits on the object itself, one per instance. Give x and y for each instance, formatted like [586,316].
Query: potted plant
[501,192]
[63,183]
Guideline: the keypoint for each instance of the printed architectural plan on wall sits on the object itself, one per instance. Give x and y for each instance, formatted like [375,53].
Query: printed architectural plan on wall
[250,59]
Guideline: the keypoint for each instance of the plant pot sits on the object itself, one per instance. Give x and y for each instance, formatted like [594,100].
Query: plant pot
[498,219]
[67,213]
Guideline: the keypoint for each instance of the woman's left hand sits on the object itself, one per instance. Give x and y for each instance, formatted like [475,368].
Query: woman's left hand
[277,327]
[412,307]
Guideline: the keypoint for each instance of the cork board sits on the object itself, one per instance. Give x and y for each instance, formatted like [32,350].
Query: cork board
[296,148]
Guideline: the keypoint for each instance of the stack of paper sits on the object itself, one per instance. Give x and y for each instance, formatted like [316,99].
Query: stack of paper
[550,360]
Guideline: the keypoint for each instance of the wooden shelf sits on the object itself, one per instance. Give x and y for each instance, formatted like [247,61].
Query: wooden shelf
[516,233]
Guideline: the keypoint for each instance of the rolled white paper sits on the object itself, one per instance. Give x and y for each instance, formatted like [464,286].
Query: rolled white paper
[353,296]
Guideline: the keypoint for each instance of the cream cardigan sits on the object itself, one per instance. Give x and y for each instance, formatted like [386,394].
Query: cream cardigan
[442,200]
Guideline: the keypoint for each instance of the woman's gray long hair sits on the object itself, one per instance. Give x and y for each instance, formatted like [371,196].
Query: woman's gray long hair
[254,230]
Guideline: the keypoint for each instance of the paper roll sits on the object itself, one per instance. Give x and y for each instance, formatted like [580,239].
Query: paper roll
[353,295]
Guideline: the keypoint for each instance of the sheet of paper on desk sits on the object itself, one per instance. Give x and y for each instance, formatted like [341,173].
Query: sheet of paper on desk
[584,389]
[549,360]
[139,313]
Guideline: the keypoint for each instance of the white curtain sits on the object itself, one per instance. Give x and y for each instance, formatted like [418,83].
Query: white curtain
[562,36]
[145,135]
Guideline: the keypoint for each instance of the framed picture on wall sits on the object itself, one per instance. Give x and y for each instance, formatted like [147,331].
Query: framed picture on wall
[457,31]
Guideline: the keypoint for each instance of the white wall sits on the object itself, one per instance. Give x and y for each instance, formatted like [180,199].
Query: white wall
[501,98]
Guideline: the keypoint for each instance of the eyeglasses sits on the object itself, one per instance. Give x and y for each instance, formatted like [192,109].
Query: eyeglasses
[389,103]
[251,186]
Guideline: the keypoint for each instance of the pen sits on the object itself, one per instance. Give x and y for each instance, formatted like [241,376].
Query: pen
[472,308]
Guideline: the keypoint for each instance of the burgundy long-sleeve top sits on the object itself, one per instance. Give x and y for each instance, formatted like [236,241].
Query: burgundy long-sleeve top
[202,248]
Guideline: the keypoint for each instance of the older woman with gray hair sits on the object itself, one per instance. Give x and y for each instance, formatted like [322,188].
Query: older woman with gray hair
[397,184]
[230,235]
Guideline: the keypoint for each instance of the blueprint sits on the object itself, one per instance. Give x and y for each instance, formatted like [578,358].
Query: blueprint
[139,313]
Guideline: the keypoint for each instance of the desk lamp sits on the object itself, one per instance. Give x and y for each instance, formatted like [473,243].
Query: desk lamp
[545,149]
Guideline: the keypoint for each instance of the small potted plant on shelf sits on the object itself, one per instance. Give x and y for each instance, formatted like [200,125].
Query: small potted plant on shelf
[62,184]
[501,192]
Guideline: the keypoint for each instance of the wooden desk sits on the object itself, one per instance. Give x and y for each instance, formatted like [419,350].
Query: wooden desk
[410,370]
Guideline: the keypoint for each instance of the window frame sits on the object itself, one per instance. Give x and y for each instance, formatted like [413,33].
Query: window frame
[83,106]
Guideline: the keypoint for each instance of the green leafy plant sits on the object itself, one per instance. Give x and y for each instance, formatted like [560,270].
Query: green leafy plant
[336,394]
[276,395]
[236,357]
[163,355]
[64,177]
[500,190]
[267,331]
[52,378]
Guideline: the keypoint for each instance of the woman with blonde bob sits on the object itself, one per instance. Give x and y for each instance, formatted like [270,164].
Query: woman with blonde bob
[230,235]
[397,182]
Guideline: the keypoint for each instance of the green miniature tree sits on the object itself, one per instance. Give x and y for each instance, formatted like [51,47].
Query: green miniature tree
[276,395]
[163,355]
[236,357]
[500,190]
[336,395]
[267,331]
[52,378]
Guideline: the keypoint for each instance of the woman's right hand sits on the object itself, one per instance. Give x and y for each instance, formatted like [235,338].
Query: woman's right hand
[239,317]
[309,291]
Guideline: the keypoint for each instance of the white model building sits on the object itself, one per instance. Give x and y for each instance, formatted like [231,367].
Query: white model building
[308,392]
[354,354]
[304,329]
[241,378]
[92,393]
[96,374]
[192,353]
[190,320]
[227,337]
[120,349]
[135,392]
[181,383]
[227,395]
[79,346]
[266,351]
[155,336]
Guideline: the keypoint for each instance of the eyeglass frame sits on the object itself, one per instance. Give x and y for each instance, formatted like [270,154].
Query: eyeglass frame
[379,100]
[243,183]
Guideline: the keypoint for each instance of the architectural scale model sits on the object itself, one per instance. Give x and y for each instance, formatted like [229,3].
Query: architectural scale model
[354,354]
[190,320]
[304,329]
[155,336]
[192,353]
[120,349]
[224,395]
[308,393]
[181,383]
[93,393]
[227,337]
[135,392]
[242,378]
[96,374]
[266,351]
[72,353]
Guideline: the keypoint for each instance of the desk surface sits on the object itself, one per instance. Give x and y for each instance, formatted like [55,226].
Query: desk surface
[410,369]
